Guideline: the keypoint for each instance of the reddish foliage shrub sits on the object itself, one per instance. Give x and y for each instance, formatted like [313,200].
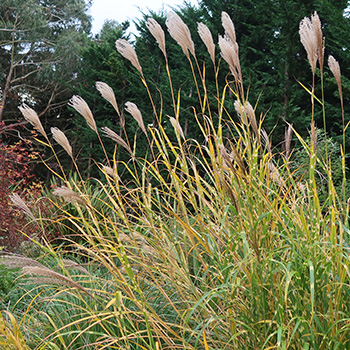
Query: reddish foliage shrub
[16,176]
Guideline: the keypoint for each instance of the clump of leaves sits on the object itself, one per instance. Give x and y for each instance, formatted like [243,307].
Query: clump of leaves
[16,176]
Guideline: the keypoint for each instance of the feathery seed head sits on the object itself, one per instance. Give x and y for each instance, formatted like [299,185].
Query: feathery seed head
[275,174]
[70,264]
[241,112]
[229,49]
[83,109]
[316,23]
[266,140]
[176,125]
[34,268]
[227,158]
[122,119]
[247,114]
[157,32]
[207,39]
[115,137]
[19,203]
[126,50]
[288,140]
[228,26]
[62,140]
[69,195]
[180,33]
[31,116]
[335,69]
[233,156]
[109,171]
[313,136]
[108,94]
[14,261]
[136,114]
[309,41]
[49,276]
[229,52]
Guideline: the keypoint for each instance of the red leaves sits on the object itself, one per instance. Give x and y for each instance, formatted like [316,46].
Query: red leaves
[16,176]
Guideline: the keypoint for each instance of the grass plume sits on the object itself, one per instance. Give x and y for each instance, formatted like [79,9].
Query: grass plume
[108,94]
[309,40]
[126,50]
[156,30]
[32,117]
[180,33]
[207,39]
[62,140]
[84,110]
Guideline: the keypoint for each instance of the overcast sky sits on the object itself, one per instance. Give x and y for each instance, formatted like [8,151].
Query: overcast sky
[122,10]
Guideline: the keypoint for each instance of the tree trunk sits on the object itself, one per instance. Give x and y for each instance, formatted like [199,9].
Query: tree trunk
[5,93]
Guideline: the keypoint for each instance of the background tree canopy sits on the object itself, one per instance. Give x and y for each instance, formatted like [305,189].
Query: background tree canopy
[274,61]
[40,43]
[48,54]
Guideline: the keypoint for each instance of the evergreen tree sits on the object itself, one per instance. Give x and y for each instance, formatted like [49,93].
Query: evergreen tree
[39,53]
[273,59]
[101,63]
[183,83]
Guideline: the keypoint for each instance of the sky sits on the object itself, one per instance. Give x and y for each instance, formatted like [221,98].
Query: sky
[122,10]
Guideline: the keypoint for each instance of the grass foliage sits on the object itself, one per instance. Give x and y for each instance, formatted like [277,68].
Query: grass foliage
[224,244]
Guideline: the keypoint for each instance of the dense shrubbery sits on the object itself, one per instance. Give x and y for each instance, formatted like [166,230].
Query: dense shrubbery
[16,176]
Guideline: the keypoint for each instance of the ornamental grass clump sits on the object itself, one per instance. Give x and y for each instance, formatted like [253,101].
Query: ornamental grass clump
[218,244]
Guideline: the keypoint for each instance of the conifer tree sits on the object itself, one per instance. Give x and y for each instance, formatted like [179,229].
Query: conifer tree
[274,61]
[39,53]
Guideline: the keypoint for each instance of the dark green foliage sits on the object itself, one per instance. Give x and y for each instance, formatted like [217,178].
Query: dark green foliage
[8,294]
[301,164]
[182,79]
[39,54]
[273,59]
[101,62]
